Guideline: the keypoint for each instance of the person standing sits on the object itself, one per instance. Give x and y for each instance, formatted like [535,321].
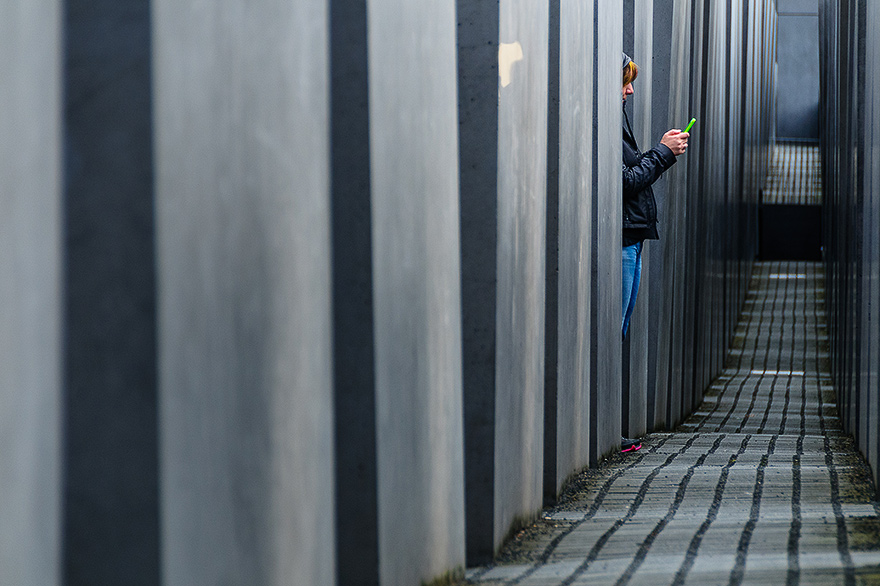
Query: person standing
[640,171]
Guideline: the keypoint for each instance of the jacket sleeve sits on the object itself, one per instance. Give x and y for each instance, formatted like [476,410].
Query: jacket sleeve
[650,166]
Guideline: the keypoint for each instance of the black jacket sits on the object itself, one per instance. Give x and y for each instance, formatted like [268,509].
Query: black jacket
[640,170]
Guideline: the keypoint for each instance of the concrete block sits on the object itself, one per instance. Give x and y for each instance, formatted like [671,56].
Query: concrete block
[30,289]
[607,221]
[571,407]
[244,328]
[797,53]
[522,164]
[416,290]
[503,63]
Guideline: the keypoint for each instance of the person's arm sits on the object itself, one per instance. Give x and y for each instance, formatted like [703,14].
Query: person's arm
[648,170]
[654,162]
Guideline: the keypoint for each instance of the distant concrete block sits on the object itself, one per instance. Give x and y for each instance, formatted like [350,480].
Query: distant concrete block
[797,96]
[242,161]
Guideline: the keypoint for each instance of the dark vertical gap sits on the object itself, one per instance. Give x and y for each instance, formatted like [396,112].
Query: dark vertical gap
[551,315]
[478,33]
[110,475]
[356,472]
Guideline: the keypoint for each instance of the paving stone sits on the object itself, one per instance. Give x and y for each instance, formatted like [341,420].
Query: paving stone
[759,483]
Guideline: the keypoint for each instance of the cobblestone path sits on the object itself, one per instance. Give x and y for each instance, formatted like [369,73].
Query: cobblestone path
[759,486]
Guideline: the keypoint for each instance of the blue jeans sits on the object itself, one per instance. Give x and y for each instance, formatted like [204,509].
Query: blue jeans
[632,272]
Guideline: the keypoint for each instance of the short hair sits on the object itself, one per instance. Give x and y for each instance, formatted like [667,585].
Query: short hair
[630,73]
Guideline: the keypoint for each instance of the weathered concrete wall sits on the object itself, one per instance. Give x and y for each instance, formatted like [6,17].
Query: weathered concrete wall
[522,163]
[569,450]
[655,271]
[415,242]
[30,289]
[503,60]
[242,186]
[605,409]
[315,207]
[850,138]
[111,516]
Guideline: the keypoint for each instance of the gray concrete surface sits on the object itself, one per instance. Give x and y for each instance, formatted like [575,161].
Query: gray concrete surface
[111,504]
[570,449]
[503,61]
[759,486]
[608,217]
[242,189]
[850,51]
[522,166]
[416,268]
[30,288]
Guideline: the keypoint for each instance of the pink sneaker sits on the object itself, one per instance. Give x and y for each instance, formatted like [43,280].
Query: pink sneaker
[629,445]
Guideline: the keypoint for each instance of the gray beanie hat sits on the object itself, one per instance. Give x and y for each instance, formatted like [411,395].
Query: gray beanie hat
[626,60]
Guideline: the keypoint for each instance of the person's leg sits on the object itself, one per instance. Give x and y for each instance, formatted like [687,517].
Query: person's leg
[629,266]
[632,272]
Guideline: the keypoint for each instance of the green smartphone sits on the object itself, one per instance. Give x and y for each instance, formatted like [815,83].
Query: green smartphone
[691,123]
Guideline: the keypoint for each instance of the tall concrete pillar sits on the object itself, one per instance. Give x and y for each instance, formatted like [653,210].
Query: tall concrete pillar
[30,290]
[608,217]
[870,277]
[503,61]
[416,289]
[657,273]
[242,182]
[567,403]
[671,315]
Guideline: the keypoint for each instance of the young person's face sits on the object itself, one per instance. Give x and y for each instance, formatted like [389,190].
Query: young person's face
[627,90]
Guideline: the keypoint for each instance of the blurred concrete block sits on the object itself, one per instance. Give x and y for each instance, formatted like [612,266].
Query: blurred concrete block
[30,292]
[243,231]
[416,289]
